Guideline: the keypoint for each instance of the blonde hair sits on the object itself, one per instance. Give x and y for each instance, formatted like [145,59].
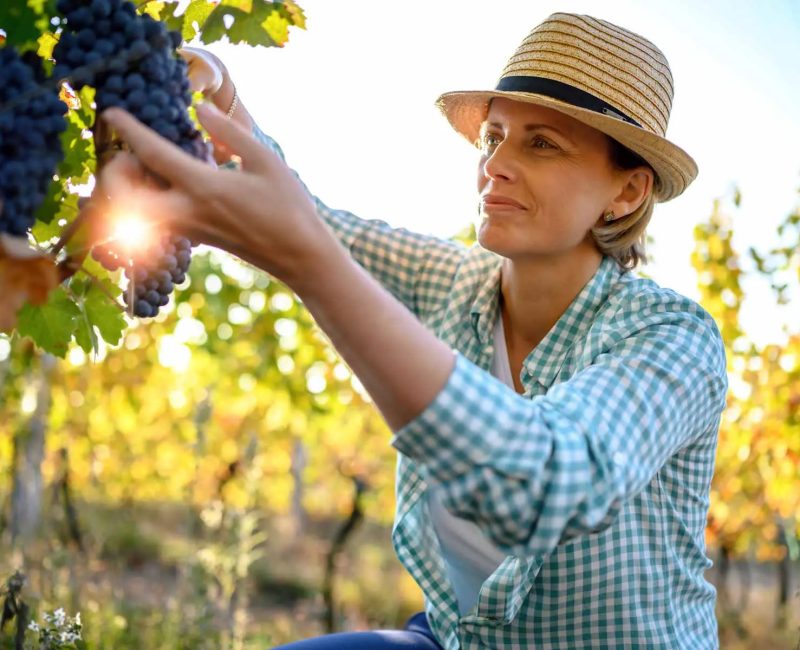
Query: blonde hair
[624,238]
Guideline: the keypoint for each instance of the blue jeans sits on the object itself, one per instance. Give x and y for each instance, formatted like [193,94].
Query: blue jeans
[415,635]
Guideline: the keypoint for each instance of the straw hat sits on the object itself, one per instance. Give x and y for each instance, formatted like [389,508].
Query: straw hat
[602,75]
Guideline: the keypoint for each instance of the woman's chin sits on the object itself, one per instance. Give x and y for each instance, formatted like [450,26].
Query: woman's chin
[499,247]
[498,240]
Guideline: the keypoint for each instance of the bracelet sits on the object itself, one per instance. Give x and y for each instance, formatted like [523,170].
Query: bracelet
[234,104]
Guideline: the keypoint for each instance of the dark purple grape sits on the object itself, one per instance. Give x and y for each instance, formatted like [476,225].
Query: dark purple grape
[30,147]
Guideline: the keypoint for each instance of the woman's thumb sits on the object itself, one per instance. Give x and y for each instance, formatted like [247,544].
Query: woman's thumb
[205,75]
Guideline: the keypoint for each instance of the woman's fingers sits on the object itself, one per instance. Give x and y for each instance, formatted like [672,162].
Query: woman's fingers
[125,190]
[158,154]
[121,175]
[232,138]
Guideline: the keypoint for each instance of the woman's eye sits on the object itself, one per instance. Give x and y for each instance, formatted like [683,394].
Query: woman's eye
[540,143]
[490,140]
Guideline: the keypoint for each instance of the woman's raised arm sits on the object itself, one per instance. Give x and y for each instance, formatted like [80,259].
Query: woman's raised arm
[401,260]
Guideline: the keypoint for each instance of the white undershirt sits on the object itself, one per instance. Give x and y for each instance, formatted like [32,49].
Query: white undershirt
[470,557]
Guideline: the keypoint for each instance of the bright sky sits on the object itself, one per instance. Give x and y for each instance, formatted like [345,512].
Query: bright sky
[351,101]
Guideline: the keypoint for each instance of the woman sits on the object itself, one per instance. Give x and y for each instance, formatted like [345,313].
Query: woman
[556,415]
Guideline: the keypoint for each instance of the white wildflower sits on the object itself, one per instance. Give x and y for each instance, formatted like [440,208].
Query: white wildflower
[59,616]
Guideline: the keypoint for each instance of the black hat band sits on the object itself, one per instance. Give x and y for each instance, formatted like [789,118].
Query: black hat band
[563,92]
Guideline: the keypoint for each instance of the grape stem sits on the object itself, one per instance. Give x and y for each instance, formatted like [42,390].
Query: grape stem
[99,284]
[70,230]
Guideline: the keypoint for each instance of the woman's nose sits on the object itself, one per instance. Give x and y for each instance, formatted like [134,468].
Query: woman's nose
[502,162]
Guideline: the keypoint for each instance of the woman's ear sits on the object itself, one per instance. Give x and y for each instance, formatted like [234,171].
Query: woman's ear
[637,184]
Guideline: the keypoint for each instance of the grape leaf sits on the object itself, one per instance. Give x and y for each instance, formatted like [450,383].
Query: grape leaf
[243,5]
[85,336]
[104,314]
[153,8]
[47,42]
[195,16]
[214,27]
[296,15]
[42,6]
[52,324]
[277,27]
[266,24]
[19,22]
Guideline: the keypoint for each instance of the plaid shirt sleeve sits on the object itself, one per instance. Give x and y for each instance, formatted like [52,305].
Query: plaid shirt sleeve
[417,269]
[533,473]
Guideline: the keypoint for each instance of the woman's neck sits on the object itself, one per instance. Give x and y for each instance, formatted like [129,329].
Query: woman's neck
[536,291]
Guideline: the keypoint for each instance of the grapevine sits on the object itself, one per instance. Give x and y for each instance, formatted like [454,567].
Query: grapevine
[93,55]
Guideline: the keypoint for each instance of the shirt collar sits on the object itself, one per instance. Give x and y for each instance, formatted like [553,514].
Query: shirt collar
[545,360]
[484,310]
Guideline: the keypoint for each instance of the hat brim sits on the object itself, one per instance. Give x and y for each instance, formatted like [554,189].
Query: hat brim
[466,111]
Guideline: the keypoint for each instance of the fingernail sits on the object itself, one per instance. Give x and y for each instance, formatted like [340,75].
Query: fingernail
[109,116]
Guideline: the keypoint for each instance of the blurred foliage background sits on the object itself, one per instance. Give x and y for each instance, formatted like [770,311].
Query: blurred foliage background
[220,479]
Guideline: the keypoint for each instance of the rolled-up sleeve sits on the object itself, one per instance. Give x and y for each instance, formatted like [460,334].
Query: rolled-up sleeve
[417,269]
[533,473]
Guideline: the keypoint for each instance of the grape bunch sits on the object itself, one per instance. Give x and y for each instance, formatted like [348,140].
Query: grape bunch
[151,282]
[31,121]
[130,60]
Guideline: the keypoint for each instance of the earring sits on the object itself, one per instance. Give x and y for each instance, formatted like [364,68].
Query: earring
[609,216]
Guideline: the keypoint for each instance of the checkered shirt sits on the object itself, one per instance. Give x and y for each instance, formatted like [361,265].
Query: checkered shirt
[595,481]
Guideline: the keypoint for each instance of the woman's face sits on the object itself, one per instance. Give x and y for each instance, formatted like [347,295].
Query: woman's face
[544,179]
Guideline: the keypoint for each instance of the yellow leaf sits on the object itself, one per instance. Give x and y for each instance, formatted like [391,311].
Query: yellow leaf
[298,17]
[47,42]
[154,8]
[243,5]
[277,27]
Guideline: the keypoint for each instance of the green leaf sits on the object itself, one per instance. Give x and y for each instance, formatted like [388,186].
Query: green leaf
[265,24]
[252,33]
[195,17]
[58,204]
[79,155]
[172,20]
[85,336]
[51,325]
[19,22]
[214,28]
[104,314]
[42,6]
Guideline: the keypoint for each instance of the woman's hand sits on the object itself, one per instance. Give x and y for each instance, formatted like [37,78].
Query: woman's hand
[261,213]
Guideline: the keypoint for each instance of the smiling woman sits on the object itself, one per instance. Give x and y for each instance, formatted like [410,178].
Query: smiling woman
[553,473]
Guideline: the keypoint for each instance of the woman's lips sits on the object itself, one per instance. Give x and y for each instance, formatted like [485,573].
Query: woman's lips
[491,204]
